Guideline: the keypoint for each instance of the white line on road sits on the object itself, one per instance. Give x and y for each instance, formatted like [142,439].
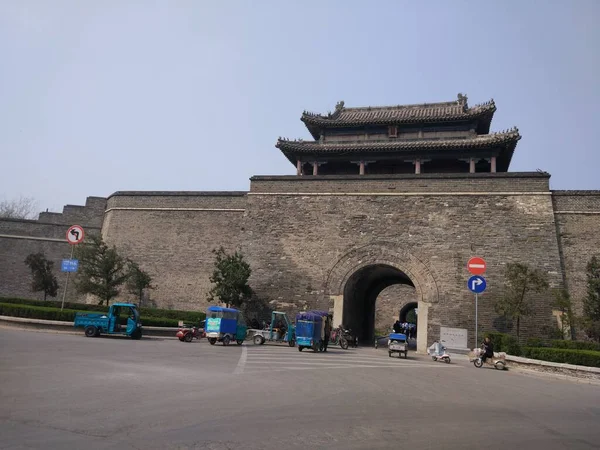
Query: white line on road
[394,366]
[239,369]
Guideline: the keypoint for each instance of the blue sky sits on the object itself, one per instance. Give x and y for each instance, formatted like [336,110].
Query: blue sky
[97,97]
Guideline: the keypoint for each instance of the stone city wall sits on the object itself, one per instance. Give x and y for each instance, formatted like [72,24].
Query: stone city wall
[19,238]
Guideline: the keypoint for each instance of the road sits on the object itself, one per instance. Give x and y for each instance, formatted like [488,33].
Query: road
[62,391]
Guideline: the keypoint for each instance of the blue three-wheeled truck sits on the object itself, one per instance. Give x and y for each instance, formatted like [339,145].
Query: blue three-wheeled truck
[95,323]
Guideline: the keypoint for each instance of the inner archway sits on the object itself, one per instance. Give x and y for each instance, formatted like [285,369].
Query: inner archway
[360,296]
[409,312]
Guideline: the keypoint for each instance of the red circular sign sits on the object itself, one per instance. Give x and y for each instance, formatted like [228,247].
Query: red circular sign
[476,265]
[75,234]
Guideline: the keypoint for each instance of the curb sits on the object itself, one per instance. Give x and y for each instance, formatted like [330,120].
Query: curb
[552,365]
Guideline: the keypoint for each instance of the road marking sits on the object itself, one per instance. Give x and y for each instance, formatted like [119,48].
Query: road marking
[394,366]
[239,369]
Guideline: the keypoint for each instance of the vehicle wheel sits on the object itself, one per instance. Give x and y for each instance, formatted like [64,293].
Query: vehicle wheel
[344,344]
[405,355]
[478,362]
[90,331]
[181,339]
[226,340]
[188,337]
[300,348]
[212,341]
[447,360]
[137,334]
[240,341]
[97,332]
[292,343]
[499,365]
[434,358]
[258,339]
[390,354]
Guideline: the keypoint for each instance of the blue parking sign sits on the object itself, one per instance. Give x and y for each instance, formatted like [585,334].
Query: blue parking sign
[69,265]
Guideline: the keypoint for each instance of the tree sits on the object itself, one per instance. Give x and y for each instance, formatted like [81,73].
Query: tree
[138,280]
[562,302]
[20,208]
[101,269]
[42,277]
[591,303]
[230,278]
[520,282]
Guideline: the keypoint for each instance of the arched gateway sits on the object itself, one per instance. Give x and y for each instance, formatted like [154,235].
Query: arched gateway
[357,278]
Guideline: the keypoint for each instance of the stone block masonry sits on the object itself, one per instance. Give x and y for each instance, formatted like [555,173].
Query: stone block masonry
[19,238]
[172,235]
[304,237]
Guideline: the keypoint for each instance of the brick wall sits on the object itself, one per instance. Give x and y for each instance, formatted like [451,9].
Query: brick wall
[389,303]
[294,241]
[171,236]
[404,183]
[19,238]
[578,222]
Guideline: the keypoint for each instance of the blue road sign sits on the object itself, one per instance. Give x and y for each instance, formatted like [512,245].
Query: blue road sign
[69,265]
[476,284]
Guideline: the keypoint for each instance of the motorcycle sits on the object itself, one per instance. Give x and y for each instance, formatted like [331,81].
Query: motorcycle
[498,362]
[187,334]
[344,338]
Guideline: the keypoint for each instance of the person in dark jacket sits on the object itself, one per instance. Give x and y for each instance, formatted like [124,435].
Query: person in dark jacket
[397,327]
[488,349]
[327,332]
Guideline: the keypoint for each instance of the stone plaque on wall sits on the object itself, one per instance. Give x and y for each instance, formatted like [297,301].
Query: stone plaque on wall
[453,337]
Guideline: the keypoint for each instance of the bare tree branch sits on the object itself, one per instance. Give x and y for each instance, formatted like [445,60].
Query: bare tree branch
[19,208]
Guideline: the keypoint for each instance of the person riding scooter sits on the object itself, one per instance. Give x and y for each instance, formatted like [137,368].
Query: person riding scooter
[488,349]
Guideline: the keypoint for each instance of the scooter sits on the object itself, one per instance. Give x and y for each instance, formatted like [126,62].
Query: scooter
[444,356]
[498,362]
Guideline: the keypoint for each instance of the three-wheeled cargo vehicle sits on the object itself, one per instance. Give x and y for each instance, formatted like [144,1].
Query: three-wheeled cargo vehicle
[94,323]
[397,343]
[279,330]
[310,330]
[224,325]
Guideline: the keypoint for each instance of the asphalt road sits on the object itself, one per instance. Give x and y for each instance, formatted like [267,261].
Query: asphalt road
[63,392]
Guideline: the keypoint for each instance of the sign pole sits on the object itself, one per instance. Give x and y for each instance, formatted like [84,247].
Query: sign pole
[67,283]
[476,339]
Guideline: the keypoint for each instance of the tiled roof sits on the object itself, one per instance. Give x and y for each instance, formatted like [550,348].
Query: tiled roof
[506,138]
[389,115]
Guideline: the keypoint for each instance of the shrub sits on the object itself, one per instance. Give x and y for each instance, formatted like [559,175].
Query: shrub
[535,342]
[68,315]
[504,343]
[145,313]
[576,345]
[36,312]
[577,357]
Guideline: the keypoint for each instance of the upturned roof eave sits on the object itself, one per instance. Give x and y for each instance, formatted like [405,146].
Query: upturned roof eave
[489,141]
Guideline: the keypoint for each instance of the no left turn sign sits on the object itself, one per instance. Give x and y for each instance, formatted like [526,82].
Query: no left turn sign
[75,234]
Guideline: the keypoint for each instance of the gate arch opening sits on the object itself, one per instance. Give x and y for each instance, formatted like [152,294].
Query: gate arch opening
[360,296]
[405,311]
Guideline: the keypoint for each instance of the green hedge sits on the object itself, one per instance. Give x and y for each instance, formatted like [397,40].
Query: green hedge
[577,357]
[148,314]
[567,345]
[576,345]
[68,315]
[504,343]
